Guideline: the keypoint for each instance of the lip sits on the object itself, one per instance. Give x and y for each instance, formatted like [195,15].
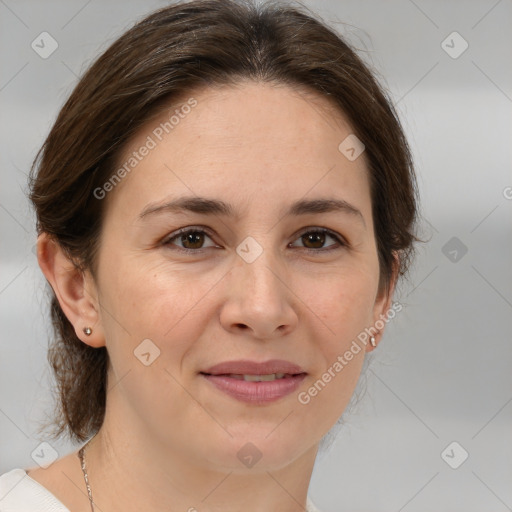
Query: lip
[244,366]
[257,393]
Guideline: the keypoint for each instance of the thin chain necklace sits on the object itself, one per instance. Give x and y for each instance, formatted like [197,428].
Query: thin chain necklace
[81,456]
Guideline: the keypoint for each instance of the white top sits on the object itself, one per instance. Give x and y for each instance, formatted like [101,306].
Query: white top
[21,493]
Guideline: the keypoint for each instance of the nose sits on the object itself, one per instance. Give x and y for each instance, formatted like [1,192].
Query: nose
[259,299]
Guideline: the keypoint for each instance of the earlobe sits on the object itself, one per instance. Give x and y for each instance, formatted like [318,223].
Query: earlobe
[73,288]
[382,307]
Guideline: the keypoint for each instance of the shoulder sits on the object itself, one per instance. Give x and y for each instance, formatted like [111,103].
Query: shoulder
[20,493]
[310,506]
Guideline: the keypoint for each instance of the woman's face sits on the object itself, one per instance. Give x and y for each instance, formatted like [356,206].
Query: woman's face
[258,283]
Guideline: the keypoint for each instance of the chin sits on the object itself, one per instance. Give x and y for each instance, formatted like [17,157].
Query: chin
[253,450]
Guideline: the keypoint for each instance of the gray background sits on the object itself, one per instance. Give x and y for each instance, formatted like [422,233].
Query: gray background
[443,372]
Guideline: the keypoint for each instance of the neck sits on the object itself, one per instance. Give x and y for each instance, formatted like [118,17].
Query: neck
[130,469]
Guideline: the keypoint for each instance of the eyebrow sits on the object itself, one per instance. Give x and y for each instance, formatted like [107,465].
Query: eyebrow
[206,206]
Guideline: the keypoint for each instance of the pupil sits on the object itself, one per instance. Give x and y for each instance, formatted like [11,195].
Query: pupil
[189,239]
[316,237]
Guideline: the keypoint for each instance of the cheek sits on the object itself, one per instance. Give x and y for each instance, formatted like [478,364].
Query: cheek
[344,304]
[154,316]
[155,302]
[345,309]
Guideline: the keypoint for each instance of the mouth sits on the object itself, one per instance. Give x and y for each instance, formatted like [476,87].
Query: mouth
[243,367]
[256,378]
[253,382]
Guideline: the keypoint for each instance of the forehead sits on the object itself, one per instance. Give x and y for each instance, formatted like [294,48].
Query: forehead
[243,141]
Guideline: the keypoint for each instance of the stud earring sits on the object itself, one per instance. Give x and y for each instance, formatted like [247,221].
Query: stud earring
[87,331]
[372,341]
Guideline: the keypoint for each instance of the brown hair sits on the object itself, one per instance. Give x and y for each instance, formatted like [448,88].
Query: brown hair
[167,54]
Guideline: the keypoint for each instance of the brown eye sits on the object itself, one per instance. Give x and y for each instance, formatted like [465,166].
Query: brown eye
[191,240]
[314,240]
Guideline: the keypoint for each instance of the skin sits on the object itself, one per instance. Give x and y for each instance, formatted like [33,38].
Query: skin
[170,439]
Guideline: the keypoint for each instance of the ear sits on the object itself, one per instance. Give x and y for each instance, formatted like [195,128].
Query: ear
[383,304]
[75,290]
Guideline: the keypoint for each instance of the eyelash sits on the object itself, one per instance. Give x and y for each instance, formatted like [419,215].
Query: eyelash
[339,239]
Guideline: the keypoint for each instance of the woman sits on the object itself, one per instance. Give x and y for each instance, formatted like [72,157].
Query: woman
[224,206]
